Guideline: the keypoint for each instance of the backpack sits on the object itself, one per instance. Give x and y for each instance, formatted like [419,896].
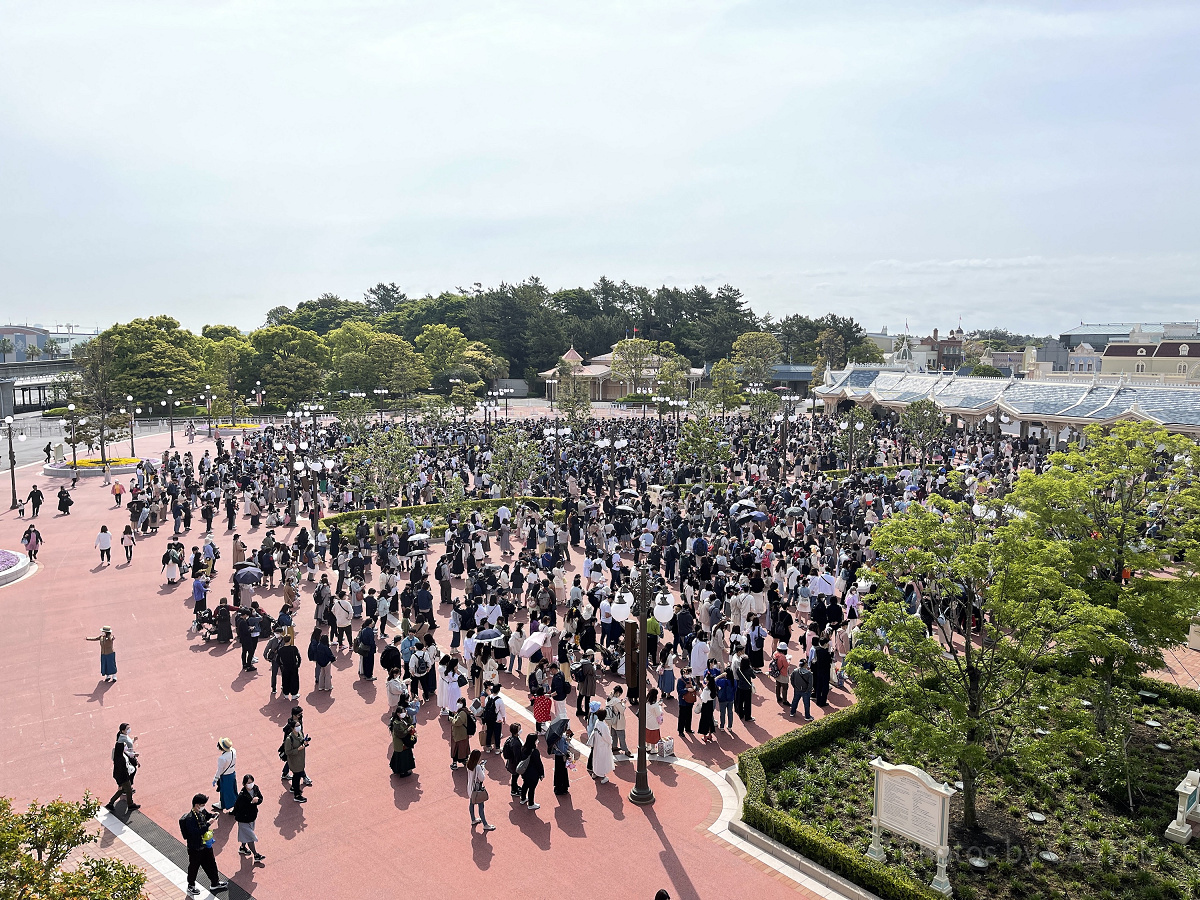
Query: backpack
[489,711]
[419,664]
[773,668]
[471,724]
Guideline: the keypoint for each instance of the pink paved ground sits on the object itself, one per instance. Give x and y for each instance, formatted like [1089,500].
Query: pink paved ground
[361,826]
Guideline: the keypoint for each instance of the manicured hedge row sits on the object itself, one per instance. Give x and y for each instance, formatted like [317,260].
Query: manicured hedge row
[883,880]
[181,412]
[870,470]
[1174,694]
[434,510]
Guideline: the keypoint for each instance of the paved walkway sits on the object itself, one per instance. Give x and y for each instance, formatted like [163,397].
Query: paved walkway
[361,827]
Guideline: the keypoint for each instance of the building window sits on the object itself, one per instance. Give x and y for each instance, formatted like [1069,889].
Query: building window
[1183,349]
[1183,368]
[1141,351]
[1089,367]
[1139,368]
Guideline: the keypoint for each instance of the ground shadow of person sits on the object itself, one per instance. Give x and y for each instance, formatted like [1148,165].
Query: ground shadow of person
[97,695]
[481,850]
[290,818]
[406,791]
[569,819]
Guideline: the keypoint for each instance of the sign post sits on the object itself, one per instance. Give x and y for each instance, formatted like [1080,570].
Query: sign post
[1188,791]
[910,803]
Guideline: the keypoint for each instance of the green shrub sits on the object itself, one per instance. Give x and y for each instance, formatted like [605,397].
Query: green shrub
[435,510]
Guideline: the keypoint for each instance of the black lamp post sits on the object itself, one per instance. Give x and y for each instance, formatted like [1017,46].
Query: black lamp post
[12,459]
[132,421]
[641,793]
[170,403]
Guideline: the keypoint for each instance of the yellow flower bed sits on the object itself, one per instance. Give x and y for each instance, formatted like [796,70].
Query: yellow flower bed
[226,426]
[112,461]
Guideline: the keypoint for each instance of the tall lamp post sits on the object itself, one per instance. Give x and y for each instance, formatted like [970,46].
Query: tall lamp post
[12,459]
[845,426]
[74,458]
[641,793]
[504,392]
[130,410]
[552,383]
[170,403]
[659,400]
[208,405]
[380,394]
[788,400]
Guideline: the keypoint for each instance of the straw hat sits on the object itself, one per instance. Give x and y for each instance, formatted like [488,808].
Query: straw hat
[224,744]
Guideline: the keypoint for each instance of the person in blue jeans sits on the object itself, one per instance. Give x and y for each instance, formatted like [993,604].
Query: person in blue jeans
[726,691]
[802,686]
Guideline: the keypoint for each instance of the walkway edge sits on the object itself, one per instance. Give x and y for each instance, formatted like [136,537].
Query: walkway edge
[149,854]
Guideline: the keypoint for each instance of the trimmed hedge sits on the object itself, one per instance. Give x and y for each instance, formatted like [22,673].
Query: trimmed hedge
[869,470]
[885,881]
[433,510]
[181,412]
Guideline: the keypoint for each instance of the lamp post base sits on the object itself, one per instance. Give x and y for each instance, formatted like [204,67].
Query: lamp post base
[641,798]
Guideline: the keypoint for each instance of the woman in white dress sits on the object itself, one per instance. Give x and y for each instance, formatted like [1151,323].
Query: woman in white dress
[600,741]
[449,689]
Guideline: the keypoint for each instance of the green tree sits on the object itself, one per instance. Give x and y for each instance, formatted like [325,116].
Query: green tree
[983,370]
[53,347]
[442,346]
[755,354]
[290,379]
[764,404]
[573,394]
[479,356]
[36,844]
[515,458]
[151,355]
[384,298]
[831,351]
[227,365]
[97,395]
[702,445]
[322,315]
[727,390]
[407,373]
[452,497]
[633,360]
[385,460]
[1127,503]
[6,347]
[969,702]
[924,423]
[32,351]
[355,414]
[220,332]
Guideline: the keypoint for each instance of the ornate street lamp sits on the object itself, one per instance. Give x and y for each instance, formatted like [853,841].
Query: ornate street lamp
[12,459]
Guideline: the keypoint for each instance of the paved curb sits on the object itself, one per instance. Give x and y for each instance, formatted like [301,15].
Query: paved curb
[84,471]
[17,572]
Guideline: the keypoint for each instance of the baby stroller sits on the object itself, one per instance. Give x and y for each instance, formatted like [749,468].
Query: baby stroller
[204,624]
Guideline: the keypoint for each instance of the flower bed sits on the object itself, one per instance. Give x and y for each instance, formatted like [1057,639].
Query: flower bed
[113,461]
[813,789]
[8,560]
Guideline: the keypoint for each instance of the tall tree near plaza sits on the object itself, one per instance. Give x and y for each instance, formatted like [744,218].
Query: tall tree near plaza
[151,355]
[515,459]
[384,298]
[385,460]
[831,351]
[702,445]
[854,444]
[6,347]
[227,364]
[755,354]
[322,315]
[1126,506]
[633,360]
[291,361]
[968,701]
[404,370]
[97,394]
[727,392]
[923,424]
[35,846]
[355,415]
[220,332]
[480,357]
[573,394]
[442,346]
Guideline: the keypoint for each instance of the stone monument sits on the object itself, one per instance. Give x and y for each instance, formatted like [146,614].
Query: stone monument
[1180,830]
[908,802]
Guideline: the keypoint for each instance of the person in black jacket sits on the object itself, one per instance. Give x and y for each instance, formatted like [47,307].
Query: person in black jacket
[513,752]
[289,669]
[194,828]
[245,812]
[531,759]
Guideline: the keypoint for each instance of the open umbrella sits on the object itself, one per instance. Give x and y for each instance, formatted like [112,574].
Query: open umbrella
[249,575]
[534,643]
[555,732]
[531,504]
[745,504]
[630,492]
[794,511]
[244,564]
[746,517]
[411,553]
[626,509]
[420,536]
[759,516]
[488,634]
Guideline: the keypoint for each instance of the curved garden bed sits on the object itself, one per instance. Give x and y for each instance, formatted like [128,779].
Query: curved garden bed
[13,565]
[88,468]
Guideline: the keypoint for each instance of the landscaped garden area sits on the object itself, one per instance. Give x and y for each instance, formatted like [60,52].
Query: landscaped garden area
[816,792]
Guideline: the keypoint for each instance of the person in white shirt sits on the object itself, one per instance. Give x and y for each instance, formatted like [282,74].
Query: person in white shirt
[104,545]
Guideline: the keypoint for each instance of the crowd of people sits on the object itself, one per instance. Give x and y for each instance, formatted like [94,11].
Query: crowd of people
[759,577]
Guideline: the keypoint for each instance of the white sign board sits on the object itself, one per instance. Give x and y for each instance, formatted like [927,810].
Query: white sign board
[910,803]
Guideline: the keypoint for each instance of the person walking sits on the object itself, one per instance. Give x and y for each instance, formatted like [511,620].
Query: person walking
[494,715]
[802,686]
[531,770]
[245,812]
[404,738]
[32,541]
[294,751]
[36,498]
[477,794]
[708,702]
[289,669]
[460,736]
[65,501]
[103,543]
[225,781]
[128,539]
[125,764]
[778,670]
[108,655]
[600,740]
[118,491]
[615,707]
[512,754]
[194,826]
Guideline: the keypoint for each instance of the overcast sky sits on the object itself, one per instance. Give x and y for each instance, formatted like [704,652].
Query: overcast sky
[1029,166]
